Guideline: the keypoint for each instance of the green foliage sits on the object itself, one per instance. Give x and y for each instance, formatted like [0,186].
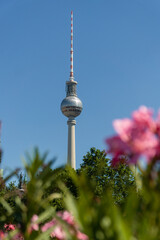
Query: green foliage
[8,191]
[97,167]
[62,175]
[90,195]
[30,201]
[97,217]
[101,219]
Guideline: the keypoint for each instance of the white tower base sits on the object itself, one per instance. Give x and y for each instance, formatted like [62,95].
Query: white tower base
[71,160]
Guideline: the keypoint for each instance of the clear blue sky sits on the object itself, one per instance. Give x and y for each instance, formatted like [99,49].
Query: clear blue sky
[116,64]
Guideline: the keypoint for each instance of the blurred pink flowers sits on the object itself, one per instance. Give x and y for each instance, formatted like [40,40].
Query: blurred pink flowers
[59,232]
[33,226]
[9,227]
[137,137]
[2,235]
[66,220]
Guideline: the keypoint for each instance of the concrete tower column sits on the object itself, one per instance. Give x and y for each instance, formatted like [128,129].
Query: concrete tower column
[71,158]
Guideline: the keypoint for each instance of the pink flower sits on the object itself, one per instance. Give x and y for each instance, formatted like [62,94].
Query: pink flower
[136,137]
[82,236]
[9,227]
[144,117]
[48,225]
[18,236]
[145,144]
[2,235]
[116,145]
[67,217]
[58,233]
[158,124]
[33,225]
[117,148]
[123,128]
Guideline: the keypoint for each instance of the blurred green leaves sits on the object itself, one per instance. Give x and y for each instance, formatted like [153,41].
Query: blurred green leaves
[105,201]
[30,199]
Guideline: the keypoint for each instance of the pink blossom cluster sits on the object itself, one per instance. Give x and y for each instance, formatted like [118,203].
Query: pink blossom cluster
[136,137]
[8,228]
[59,232]
[58,229]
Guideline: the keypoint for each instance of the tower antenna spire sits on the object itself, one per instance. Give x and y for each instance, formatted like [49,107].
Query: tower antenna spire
[71,52]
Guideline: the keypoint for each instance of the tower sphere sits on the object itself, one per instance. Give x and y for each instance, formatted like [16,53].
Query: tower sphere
[71,106]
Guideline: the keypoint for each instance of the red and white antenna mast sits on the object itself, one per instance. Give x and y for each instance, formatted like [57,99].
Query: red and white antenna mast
[71,52]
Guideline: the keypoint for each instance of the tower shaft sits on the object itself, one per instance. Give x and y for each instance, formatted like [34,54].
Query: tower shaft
[71,158]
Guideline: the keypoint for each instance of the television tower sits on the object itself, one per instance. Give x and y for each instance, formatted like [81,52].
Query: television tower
[71,107]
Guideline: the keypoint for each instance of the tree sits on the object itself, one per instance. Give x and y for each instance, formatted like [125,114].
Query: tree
[98,168]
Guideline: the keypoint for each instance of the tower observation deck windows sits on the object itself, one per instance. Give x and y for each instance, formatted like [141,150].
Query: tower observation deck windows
[71,90]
